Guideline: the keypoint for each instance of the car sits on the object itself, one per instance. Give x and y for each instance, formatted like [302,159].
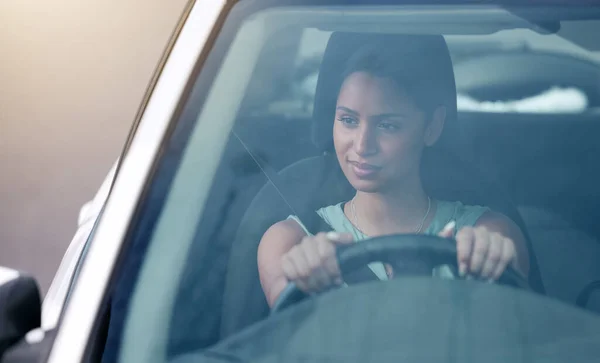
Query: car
[234,135]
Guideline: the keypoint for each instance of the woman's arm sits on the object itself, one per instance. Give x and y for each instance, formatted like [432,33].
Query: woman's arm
[275,243]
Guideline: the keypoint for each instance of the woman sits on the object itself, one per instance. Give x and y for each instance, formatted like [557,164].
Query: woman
[386,114]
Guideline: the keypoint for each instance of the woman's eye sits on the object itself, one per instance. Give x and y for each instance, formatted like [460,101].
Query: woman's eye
[348,120]
[388,126]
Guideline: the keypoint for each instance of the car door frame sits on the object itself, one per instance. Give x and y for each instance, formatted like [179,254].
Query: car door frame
[82,311]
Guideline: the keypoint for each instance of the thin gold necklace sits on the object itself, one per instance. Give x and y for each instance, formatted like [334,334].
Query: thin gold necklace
[420,227]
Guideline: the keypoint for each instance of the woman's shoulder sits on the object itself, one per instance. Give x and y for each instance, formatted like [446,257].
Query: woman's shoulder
[287,229]
[279,238]
[328,213]
[333,215]
[331,211]
[463,214]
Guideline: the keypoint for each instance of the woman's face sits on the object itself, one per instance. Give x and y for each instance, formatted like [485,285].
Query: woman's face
[379,133]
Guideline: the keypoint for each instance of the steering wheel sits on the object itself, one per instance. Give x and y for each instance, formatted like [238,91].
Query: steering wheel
[409,254]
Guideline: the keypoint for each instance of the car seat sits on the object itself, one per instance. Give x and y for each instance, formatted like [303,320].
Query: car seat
[314,182]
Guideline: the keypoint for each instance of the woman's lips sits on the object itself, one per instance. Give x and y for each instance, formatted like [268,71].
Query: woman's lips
[364,170]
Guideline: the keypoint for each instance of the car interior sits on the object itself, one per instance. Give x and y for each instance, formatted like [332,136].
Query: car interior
[537,168]
[459,181]
[540,169]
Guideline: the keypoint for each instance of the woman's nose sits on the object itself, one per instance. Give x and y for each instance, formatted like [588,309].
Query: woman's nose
[365,142]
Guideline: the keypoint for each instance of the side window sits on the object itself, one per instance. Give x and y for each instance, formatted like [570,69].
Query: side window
[299,100]
[292,91]
[283,98]
[521,71]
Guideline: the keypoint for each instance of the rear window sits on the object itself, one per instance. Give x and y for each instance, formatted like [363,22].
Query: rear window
[532,58]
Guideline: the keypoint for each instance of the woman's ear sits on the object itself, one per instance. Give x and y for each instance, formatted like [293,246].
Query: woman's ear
[435,126]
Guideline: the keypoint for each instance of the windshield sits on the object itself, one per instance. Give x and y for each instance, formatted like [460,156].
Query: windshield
[387,182]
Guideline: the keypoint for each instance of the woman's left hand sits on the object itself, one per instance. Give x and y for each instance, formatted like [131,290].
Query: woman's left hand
[481,252]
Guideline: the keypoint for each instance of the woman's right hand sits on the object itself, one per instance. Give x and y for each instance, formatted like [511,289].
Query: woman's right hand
[312,263]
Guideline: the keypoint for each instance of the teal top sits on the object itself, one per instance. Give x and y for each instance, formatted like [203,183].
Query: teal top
[445,212]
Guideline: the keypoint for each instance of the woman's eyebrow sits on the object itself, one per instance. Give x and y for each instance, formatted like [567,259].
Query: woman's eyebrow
[383,116]
[346,109]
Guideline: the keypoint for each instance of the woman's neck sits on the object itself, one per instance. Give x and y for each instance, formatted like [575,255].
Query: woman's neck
[398,211]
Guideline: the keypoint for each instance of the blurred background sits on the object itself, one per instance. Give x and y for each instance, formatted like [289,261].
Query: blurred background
[72,75]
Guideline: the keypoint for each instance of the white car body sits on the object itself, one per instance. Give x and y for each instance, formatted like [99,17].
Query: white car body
[57,293]
[79,314]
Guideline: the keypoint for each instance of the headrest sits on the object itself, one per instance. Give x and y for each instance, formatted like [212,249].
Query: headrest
[422,57]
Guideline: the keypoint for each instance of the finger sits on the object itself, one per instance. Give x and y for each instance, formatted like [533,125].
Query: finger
[339,238]
[288,268]
[329,263]
[303,286]
[448,230]
[297,258]
[389,270]
[494,254]
[317,278]
[480,250]
[508,255]
[290,272]
[465,239]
